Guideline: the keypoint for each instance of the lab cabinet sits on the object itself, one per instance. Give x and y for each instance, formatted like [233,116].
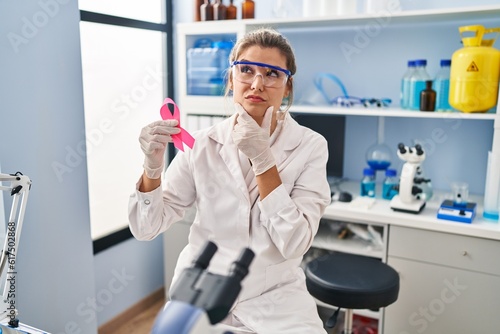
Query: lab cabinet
[448,283]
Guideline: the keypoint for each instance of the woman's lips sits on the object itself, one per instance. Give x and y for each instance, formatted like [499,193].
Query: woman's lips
[254,98]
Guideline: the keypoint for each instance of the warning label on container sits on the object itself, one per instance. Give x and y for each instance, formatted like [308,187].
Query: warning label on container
[472,67]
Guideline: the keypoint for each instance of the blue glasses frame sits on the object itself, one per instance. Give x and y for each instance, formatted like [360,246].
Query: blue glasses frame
[244,62]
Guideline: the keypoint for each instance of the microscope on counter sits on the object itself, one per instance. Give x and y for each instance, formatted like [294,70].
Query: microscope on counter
[411,197]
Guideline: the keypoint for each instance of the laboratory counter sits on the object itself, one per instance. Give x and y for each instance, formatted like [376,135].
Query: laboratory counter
[380,212]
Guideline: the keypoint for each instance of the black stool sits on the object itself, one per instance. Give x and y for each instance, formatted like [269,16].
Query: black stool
[351,282]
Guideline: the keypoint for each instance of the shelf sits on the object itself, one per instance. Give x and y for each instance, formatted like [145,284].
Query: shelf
[390,112]
[206,105]
[327,240]
[475,13]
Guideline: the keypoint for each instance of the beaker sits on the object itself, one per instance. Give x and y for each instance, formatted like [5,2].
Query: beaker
[460,192]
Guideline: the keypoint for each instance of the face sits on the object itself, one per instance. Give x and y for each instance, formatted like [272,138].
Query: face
[256,96]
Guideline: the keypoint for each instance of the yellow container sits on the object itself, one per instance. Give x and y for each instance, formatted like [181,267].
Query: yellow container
[475,71]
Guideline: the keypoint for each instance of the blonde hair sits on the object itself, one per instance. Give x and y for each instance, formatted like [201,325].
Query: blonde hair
[266,38]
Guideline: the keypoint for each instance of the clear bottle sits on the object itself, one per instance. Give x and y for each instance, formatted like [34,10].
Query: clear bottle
[247,9]
[417,83]
[220,10]
[231,11]
[390,185]
[443,86]
[428,97]
[368,183]
[405,85]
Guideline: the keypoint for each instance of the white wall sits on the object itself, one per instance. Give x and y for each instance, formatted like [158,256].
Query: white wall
[62,287]
[41,121]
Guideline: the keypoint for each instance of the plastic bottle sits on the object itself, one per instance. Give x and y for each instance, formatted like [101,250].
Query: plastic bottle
[405,85]
[442,86]
[389,187]
[247,9]
[207,11]
[428,97]
[417,83]
[368,183]
[231,11]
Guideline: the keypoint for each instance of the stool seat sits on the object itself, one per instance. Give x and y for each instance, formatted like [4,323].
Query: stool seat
[352,281]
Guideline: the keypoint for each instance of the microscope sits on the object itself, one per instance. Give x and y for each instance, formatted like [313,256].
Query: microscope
[200,299]
[411,197]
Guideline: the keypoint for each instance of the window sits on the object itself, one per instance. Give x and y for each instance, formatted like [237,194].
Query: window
[125,45]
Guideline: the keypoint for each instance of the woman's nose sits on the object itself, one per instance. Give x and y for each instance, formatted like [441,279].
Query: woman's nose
[258,81]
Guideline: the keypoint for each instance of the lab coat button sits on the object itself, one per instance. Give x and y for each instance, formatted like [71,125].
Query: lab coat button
[147,201]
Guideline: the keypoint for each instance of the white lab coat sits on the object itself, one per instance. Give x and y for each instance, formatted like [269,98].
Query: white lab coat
[279,229]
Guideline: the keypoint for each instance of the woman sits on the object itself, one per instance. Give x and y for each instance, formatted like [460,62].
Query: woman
[257,179]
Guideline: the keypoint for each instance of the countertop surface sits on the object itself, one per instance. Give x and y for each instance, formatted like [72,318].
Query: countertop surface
[380,212]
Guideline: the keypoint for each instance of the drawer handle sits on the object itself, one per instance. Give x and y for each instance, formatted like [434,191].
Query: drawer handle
[464,253]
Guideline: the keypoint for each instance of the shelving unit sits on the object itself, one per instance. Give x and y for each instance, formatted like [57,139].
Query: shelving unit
[380,215]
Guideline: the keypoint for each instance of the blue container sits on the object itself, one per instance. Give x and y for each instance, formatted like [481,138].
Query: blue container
[206,68]
[368,183]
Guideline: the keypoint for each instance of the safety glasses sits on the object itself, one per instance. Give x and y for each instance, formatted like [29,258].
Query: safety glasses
[272,76]
[351,101]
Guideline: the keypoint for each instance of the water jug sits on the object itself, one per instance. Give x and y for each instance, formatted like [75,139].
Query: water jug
[475,71]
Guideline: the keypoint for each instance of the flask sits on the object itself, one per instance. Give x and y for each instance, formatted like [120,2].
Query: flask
[207,11]
[443,86]
[428,97]
[220,10]
[390,185]
[368,183]
[417,83]
[247,9]
[197,6]
[405,85]
[231,11]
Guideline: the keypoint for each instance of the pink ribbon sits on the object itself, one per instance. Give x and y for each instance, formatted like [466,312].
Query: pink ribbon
[181,137]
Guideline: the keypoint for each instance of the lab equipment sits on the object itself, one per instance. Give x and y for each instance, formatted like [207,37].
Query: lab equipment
[220,10]
[368,183]
[379,156]
[410,197]
[405,85]
[442,86]
[19,186]
[207,62]
[231,11]
[197,7]
[428,97]
[475,71]
[201,299]
[417,83]
[207,11]
[248,9]
[458,209]
[491,206]
[390,185]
